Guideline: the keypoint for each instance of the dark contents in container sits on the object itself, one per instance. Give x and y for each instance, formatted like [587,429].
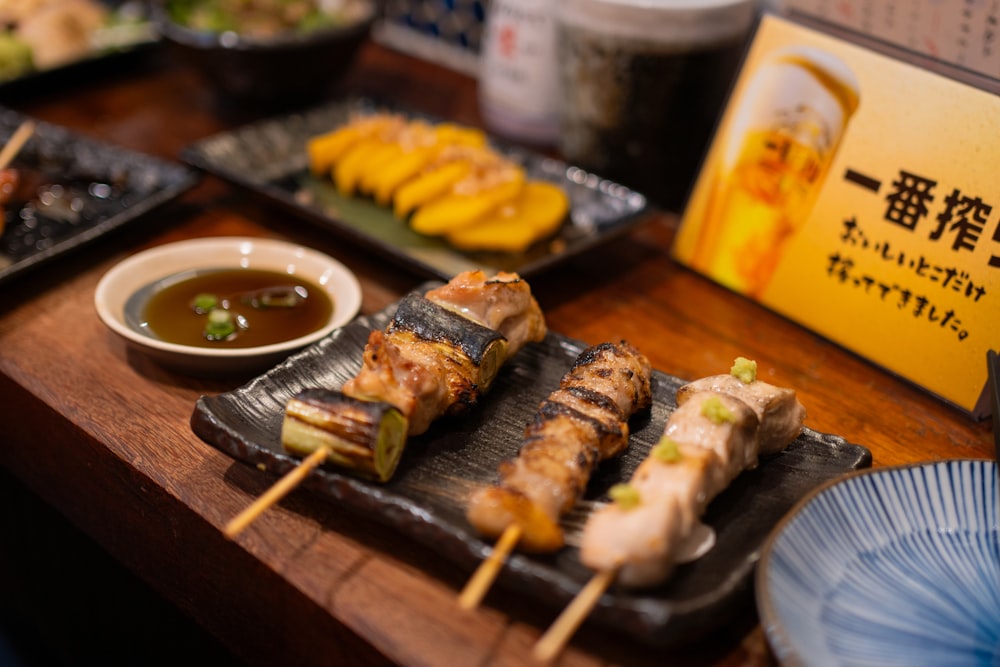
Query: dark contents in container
[642,113]
[266,307]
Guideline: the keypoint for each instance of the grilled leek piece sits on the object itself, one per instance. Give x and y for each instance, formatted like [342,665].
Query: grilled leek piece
[366,437]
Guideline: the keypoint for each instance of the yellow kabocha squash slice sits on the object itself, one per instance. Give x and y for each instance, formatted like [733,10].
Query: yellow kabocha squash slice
[429,185]
[460,135]
[442,146]
[415,137]
[347,171]
[464,206]
[544,206]
[502,232]
[357,158]
[536,213]
[323,150]
[399,171]
[326,149]
[365,156]
[380,158]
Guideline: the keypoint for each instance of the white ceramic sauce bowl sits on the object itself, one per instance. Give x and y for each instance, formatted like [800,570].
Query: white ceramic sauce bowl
[113,298]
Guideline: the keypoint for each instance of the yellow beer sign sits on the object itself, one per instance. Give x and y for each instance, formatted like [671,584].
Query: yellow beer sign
[858,195]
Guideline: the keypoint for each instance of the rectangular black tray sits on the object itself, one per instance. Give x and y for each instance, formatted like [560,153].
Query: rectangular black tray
[425,498]
[269,159]
[102,188]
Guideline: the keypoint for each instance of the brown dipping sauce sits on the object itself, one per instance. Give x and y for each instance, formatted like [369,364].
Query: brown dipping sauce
[170,315]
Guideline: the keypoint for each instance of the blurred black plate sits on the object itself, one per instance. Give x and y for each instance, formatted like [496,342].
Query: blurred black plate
[95,187]
[425,499]
[269,159]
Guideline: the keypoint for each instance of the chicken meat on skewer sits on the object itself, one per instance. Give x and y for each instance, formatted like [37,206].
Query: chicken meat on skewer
[712,436]
[778,410]
[580,424]
[503,303]
[439,353]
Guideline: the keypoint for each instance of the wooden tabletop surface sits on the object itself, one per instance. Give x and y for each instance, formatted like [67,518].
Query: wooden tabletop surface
[103,434]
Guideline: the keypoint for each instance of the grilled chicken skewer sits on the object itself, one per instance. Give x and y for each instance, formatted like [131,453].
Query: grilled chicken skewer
[707,442]
[714,434]
[439,353]
[580,424]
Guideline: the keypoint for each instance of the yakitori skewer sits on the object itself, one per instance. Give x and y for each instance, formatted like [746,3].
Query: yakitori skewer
[558,635]
[580,424]
[484,576]
[720,427]
[438,354]
[280,489]
[9,177]
[16,142]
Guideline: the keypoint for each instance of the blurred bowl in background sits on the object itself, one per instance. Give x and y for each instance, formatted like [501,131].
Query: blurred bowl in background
[284,68]
[893,566]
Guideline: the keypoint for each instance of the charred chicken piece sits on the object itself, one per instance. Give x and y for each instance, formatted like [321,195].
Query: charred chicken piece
[580,424]
[436,357]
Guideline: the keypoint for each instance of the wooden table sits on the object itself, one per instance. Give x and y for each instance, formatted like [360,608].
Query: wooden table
[103,434]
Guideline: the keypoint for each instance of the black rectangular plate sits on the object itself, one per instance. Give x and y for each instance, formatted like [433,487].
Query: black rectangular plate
[110,185]
[269,159]
[425,500]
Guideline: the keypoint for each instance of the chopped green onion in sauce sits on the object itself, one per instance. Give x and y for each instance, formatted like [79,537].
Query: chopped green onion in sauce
[203,303]
[220,324]
[236,308]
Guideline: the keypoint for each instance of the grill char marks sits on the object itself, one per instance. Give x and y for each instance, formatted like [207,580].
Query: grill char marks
[580,424]
[442,351]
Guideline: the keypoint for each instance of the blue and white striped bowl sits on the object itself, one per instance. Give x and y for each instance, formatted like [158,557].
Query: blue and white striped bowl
[891,566]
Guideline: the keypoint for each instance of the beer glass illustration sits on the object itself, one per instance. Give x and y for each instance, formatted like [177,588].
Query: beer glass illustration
[776,152]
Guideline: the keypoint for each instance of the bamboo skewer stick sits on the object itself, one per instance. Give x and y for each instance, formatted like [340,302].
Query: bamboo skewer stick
[17,140]
[559,633]
[480,582]
[280,489]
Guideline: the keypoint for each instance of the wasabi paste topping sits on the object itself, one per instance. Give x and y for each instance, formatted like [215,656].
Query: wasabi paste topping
[667,450]
[625,496]
[718,413]
[745,370]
